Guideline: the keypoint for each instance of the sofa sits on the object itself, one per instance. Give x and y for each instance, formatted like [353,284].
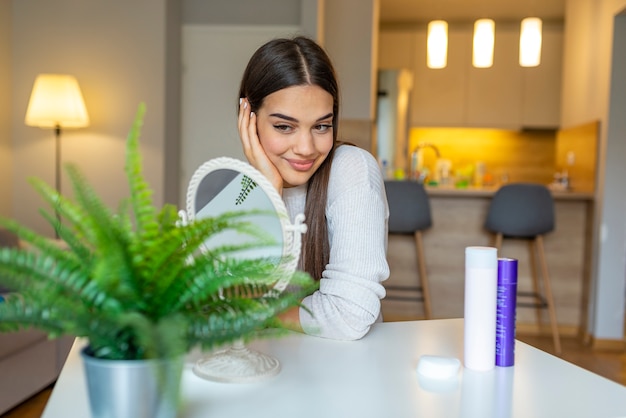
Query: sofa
[29,361]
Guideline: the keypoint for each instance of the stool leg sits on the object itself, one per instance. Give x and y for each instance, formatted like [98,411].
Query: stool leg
[498,242]
[421,260]
[549,298]
[533,274]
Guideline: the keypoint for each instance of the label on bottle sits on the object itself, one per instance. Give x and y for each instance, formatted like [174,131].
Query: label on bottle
[506,312]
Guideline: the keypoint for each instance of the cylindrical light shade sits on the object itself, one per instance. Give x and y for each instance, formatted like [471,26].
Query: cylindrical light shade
[437,55]
[484,40]
[56,100]
[530,42]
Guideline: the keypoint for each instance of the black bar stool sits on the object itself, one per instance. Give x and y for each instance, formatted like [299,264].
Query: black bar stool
[409,213]
[526,211]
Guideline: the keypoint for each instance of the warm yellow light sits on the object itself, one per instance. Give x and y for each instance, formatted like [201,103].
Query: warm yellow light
[437,56]
[530,42]
[484,40]
[56,101]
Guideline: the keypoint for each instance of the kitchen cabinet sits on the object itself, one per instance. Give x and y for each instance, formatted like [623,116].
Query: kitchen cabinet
[542,85]
[397,49]
[439,96]
[494,95]
[503,96]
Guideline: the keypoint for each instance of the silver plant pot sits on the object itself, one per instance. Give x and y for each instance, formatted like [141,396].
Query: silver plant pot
[132,388]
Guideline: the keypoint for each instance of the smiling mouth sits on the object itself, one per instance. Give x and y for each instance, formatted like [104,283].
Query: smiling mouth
[300,165]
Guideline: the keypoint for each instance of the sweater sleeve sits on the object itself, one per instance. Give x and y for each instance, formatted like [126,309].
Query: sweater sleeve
[348,300]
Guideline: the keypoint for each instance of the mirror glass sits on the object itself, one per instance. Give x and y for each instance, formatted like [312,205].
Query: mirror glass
[224,190]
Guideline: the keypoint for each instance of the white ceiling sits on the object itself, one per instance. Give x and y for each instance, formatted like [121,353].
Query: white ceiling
[406,11]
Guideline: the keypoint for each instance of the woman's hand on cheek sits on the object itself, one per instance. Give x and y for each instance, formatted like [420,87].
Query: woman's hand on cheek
[252,148]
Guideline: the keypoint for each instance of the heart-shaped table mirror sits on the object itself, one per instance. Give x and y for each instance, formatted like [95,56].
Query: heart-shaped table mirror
[226,185]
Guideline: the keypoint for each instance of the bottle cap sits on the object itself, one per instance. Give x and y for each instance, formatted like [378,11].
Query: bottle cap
[481,257]
[507,271]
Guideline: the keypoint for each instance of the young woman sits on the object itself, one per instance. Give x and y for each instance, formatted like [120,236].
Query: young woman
[288,117]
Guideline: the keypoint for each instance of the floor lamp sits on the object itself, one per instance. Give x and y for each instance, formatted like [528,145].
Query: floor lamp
[56,102]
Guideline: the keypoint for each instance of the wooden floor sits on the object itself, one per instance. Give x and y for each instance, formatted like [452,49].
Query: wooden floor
[611,365]
[32,408]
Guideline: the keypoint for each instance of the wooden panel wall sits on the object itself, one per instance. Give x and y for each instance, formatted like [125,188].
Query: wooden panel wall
[582,142]
[508,155]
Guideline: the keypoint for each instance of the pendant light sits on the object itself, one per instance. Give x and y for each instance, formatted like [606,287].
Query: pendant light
[530,42]
[437,52]
[484,39]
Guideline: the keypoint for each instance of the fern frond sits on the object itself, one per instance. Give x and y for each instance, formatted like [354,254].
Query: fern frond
[48,279]
[65,208]
[141,195]
[241,318]
[44,245]
[18,314]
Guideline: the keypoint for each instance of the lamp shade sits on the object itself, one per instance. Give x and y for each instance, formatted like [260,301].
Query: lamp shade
[437,53]
[56,100]
[484,39]
[530,42]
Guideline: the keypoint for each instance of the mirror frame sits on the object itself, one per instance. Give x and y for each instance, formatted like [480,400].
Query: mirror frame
[291,233]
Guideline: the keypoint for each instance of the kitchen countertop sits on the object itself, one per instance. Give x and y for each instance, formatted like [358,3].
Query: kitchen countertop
[489,191]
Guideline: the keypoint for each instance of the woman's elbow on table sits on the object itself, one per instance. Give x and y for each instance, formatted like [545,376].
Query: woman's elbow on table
[338,322]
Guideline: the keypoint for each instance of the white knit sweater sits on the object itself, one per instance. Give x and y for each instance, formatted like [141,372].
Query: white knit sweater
[348,300]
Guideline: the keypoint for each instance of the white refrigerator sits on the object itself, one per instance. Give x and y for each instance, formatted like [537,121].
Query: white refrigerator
[392,121]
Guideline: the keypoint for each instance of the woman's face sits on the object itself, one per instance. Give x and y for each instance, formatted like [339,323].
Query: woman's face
[295,127]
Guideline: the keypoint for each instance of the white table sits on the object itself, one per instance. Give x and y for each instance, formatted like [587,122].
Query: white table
[376,377]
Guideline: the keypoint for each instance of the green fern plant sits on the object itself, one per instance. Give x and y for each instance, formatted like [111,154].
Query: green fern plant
[133,281]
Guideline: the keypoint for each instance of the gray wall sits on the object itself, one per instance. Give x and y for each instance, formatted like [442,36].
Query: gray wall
[209,90]
[610,292]
[242,12]
[173,91]
[6,166]
[352,45]
[118,51]
[587,94]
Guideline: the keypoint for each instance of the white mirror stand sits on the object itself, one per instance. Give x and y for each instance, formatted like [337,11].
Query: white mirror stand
[225,185]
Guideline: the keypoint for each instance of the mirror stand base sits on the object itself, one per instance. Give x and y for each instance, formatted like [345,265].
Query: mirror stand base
[236,364]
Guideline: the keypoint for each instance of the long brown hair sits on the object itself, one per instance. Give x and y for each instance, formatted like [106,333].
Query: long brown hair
[282,63]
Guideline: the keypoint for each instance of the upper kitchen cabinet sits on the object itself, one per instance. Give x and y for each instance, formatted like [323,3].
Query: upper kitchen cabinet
[439,97]
[495,94]
[503,96]
[542,85]
[397,48]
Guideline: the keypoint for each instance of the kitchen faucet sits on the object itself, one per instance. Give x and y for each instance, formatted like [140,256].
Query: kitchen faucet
[417,160]
[423,145]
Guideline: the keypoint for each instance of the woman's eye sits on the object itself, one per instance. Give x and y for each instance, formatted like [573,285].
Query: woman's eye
[323,127]
[282,128]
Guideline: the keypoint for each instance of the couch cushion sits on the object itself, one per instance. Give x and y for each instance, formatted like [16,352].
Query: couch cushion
[13,341]
[8,238]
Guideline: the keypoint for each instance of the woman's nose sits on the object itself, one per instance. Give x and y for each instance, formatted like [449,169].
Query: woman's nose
[305,144]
